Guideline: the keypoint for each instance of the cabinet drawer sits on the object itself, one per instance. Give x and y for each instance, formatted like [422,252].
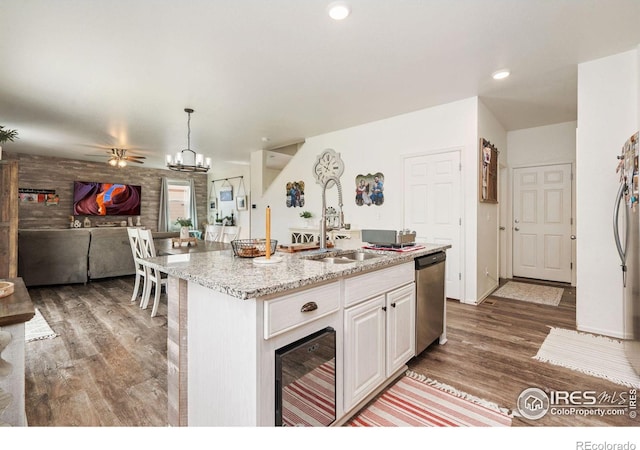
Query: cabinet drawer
[284,313]
[362,287]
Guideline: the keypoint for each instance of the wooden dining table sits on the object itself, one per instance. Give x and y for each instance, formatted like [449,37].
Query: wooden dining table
[166,247]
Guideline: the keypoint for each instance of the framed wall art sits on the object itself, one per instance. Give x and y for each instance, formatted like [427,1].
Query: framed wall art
[295,194]
[370,189]
[241,202]
[488,172]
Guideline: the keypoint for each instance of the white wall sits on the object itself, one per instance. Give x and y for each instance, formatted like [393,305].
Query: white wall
[607,117]
[379,147]
[243,218]
[488,213]
[551,144]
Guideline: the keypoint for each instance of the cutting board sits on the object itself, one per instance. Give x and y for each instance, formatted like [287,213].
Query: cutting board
[292,248]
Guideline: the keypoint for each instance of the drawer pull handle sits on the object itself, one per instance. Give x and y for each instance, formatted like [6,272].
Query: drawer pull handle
[310,306]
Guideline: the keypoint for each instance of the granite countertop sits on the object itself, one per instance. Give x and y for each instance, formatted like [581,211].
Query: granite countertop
[241,278]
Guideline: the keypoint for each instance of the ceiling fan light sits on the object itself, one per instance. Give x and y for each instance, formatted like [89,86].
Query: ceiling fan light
[113,162]
[122,163]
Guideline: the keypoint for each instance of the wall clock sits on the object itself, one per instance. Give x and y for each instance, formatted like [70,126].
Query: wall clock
[328,164]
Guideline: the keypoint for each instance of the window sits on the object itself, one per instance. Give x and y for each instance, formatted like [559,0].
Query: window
[179,202]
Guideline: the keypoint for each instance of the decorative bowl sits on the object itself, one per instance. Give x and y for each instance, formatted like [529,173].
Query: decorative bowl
[250,248]
[6,288]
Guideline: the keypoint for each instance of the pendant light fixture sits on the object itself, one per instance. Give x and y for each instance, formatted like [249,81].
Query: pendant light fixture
[189,161]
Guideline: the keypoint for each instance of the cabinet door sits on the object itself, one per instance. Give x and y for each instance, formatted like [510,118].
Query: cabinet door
[364,343]
[401,327]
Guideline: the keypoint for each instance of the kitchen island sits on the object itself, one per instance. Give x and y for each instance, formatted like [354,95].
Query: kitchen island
[227,318]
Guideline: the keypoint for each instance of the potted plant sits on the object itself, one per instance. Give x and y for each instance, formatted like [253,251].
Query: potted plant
[185,225]
[6,135]
[306,215]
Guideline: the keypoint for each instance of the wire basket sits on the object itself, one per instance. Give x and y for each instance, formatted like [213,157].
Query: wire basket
[250,248]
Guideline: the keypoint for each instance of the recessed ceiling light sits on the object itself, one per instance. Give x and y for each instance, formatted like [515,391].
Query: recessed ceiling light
[501,74]
[338,10]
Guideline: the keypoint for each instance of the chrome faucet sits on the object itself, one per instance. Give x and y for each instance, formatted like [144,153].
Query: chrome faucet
[323,221]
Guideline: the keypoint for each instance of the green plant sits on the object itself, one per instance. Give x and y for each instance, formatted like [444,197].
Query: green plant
[184,222]
[306,214]
[7,135]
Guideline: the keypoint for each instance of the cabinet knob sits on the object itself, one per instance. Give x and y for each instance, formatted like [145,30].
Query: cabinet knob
[384,308]
[309,306]
[393,304]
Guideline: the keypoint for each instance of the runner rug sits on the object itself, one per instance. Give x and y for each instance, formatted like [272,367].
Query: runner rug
[598,356]
[38,328]
[417,401]
[533,293]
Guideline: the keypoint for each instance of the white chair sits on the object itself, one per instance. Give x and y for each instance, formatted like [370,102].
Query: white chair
[229,233]
[141,272]
[214,233]
[154,276]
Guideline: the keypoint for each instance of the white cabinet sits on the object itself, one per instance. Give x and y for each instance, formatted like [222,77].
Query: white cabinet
[379,338]
[401,327]
[364,351]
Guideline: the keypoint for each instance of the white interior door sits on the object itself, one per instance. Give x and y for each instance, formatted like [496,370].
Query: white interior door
[432,208]
[542,222]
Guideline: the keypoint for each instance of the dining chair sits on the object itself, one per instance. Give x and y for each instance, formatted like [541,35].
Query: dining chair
[214,233]
[230,233]
[154,276]
[141,272]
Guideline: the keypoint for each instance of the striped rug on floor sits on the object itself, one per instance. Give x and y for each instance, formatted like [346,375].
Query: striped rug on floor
[594,355]
[310,400]
[416,401]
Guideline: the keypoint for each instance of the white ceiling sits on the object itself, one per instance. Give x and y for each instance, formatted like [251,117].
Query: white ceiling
[77,76]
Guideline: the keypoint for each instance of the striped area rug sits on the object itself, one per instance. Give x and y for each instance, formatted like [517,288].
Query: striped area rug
[310,401]
[594,355]
[416,401]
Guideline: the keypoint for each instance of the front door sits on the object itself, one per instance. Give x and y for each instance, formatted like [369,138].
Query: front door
[542,222]
[432,208]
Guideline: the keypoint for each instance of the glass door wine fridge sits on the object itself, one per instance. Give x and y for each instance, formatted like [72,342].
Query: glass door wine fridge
[306,381]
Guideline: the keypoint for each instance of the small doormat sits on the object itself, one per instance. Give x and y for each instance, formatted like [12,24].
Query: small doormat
[598,356]
[533,293]
[417,401]
[38,328]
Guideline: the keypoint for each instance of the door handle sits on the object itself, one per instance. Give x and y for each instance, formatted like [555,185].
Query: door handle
[502,228]
[573,237]
[517,228]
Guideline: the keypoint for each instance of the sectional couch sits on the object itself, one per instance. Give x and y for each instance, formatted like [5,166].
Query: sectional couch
[67,256]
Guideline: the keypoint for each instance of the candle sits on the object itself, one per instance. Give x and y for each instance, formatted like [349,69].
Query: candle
[268,237]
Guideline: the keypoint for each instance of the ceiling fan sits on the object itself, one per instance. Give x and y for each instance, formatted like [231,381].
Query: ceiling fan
[119,157]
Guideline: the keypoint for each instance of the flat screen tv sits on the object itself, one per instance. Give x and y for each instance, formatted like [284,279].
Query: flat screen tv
[105,199]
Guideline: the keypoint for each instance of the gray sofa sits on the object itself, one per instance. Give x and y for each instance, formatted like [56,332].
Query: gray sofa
[53,256]
[67,256]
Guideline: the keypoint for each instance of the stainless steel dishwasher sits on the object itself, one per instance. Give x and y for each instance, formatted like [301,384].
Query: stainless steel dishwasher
[430,299]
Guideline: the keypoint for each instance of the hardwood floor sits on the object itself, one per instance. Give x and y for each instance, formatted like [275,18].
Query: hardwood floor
[490,352]
[108,366]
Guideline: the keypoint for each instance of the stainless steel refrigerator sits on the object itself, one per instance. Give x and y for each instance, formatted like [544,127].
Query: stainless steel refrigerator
[626,230]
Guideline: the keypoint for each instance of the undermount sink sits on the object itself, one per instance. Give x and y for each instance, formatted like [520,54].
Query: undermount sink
[347,258]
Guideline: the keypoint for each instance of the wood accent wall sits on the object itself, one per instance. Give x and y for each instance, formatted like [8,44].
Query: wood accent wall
[8,219]
[45,172]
